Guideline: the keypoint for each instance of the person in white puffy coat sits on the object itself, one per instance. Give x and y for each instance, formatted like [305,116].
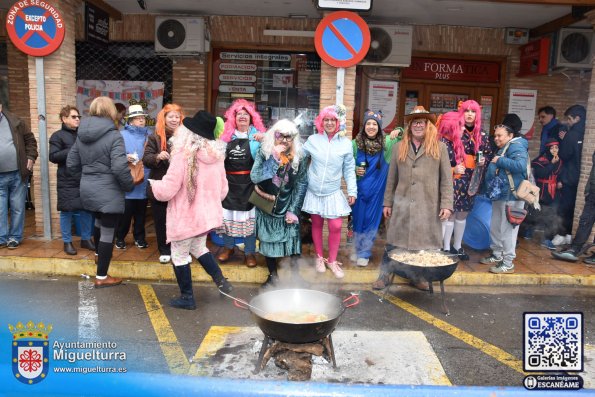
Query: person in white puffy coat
[332,160]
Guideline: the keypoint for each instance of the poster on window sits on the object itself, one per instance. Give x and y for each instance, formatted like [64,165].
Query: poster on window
[149,94]
[487,103]
[382,96]
[282,80]
[523,103]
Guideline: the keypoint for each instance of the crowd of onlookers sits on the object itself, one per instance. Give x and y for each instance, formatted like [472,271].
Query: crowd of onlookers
[233,176]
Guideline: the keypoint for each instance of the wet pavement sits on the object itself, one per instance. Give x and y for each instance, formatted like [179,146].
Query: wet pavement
[480,343]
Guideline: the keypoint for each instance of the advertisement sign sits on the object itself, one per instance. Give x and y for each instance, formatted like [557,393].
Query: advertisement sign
[354,5]
[382,96]
[149,94]
[96,25]
[523,103]
[452,70]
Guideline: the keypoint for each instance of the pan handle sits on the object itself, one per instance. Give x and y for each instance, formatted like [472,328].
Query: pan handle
[239,305]
[353,297]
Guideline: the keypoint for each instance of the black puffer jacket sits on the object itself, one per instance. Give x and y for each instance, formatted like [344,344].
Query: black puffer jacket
[69,196]
[571,149]
[100,155]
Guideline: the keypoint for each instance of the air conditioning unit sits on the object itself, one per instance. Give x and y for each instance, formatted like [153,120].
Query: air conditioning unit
[180,35]
[574,49]
[389,46]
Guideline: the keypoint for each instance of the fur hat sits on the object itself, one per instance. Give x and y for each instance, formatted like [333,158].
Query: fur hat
[419,112]
[202,123]
[135,111]
[370,115]
[513,122]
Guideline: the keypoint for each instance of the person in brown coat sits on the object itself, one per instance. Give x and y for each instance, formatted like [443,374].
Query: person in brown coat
[156,157]
[419,193]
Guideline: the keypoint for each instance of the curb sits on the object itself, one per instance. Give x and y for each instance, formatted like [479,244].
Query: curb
[238,273]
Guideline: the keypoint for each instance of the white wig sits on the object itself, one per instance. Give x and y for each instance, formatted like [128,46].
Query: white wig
[284,127]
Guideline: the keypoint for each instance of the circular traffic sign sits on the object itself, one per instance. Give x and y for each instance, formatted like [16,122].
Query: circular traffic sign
[342,39]
[37,30]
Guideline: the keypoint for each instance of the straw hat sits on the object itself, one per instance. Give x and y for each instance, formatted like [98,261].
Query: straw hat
[419,112]
[135,111]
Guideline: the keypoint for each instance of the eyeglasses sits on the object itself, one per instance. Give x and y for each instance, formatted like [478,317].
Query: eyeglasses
[507,128]
[286,138]
[75,117]
[418,122]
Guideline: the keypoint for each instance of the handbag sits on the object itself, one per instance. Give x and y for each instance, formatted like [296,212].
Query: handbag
[137,171]
[515,216]
[258,200]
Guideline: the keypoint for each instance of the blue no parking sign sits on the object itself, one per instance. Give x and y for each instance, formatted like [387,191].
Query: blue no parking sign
[35,27]
[342,39]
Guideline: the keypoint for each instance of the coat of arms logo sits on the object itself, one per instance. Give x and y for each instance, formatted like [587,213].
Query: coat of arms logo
[30,351]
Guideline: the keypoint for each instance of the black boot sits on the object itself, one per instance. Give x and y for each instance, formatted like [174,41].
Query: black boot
[69,249]
[212,268]
[271,281]
[184,278]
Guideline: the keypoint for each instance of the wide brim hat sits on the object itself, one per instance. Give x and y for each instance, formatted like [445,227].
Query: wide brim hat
[202,123]
[135,111]
[419,112]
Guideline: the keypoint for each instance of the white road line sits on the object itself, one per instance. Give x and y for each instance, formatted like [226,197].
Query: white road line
[88,328]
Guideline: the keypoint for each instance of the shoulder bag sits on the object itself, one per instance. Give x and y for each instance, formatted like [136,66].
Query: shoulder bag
[264,201]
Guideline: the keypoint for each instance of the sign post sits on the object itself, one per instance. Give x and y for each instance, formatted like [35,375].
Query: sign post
[342,40]
[38,30]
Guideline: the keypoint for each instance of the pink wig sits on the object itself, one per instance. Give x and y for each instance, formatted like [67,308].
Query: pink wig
[230,118]
[476,133]
[451,128]
[327,112]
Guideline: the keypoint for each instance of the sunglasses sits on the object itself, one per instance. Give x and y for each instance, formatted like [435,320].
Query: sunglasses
[418,122]
[75,117]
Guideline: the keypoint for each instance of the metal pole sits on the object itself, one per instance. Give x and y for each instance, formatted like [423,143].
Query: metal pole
[340,85]
[43,146]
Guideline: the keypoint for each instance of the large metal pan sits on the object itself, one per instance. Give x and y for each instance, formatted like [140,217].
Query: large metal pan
[299,300]
[422,271]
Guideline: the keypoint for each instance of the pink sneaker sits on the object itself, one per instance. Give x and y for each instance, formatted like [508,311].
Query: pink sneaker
[320,265]
[336,269]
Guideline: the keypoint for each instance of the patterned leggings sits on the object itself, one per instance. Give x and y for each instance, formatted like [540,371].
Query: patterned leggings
[180,250]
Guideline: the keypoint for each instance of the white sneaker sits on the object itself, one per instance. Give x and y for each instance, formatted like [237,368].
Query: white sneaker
[336,269]
[320,265]
[363,262]
[558,240]
[568,239]
[164,259]
[353,257]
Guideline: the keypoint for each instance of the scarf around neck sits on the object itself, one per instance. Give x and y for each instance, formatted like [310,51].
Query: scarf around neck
[367,145]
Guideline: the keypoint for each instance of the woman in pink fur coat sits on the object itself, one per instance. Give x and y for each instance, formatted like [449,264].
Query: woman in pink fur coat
[194,186]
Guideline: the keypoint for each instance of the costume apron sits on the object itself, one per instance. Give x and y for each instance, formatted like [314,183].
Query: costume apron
[238,163]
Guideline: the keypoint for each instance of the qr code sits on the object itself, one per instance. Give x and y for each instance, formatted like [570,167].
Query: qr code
[553,342]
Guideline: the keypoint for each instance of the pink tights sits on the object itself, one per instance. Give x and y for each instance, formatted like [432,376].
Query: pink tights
[334,236]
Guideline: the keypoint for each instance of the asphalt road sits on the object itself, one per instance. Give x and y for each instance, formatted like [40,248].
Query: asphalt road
[480,343]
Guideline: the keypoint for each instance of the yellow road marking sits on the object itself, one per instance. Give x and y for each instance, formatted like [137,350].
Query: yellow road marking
[489,349]
[171,348]
[212,342]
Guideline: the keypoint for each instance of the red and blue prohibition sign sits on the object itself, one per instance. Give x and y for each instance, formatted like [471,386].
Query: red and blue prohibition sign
[342,39]
[37,30]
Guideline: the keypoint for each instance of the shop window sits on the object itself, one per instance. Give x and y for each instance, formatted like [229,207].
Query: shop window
[282,84]
[128,61]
